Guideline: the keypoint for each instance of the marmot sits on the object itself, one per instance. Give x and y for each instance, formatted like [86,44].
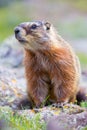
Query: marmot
[51,66]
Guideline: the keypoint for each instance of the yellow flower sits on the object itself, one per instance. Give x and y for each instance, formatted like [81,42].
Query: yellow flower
[71,103]
[66,107]
[33,111]
[14,81]
[57,112]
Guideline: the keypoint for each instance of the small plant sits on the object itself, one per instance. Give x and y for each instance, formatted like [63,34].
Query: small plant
[84,128]
[18,122]
[83,104]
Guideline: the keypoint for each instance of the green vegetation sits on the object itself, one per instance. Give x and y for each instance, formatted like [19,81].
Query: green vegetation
[85,128]
[11,16]
[83,104]
[83,59]
[16,12]
[13,13]
[16,122]
[78,4]
[76,29]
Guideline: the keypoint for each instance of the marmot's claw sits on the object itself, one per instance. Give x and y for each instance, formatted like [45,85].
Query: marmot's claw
[59,105]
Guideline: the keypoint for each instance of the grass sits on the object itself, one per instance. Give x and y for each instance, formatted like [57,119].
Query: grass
[85,128]
[83,104]
[83,59]
[16,122]
[11,16]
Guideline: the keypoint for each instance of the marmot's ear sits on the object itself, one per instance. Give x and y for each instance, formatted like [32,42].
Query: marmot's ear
[48,25]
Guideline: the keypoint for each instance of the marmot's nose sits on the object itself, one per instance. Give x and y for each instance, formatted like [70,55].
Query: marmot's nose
[17,30]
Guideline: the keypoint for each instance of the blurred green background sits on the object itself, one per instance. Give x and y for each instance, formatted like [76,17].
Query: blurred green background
[68,16]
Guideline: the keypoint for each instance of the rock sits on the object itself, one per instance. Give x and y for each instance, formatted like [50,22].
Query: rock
[11,53]
[12,86]
[68,122]
[3,124]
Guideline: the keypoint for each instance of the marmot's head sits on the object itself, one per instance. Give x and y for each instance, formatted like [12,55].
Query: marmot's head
[35,35]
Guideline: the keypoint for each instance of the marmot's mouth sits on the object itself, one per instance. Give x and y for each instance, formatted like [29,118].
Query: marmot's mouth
[22,40]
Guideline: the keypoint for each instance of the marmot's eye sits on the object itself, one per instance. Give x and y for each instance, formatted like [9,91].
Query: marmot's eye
[34,26]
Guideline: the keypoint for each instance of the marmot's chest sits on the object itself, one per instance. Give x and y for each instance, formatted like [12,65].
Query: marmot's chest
[41,62]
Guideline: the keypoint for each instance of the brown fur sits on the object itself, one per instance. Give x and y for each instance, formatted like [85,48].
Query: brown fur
[51,66]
